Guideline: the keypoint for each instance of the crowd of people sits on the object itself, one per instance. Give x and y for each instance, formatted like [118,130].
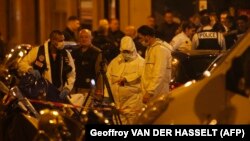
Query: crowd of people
[137,61]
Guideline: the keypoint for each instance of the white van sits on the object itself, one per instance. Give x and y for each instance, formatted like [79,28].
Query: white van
[221,97]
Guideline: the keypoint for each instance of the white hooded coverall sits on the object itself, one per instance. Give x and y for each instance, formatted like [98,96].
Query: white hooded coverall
[128,97]
[157,73]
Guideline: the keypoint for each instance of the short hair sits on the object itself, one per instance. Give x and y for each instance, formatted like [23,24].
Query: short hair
[146,30]
[205,20]
[54,33]
[187,25]
[73,18]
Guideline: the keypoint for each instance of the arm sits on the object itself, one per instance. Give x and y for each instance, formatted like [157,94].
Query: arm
[221,41]
[134,76]
[25,64]
[175,43]
[195,41]
[71,75]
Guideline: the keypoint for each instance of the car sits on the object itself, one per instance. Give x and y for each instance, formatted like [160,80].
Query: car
[190,64]
[221,97]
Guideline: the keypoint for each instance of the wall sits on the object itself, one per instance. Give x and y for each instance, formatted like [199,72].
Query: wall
[134,12]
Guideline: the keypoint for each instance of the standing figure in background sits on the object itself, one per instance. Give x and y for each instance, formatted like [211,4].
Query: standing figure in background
[115,34]
[242,26]
[168,29]
[71,30]
[124,74]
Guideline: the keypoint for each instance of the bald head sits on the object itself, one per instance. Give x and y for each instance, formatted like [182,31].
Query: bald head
[85,37]
[130,31]
[104,23]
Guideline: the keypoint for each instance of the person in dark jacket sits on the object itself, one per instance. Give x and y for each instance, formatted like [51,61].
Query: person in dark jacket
[86,62]
[73,25]
[168,29]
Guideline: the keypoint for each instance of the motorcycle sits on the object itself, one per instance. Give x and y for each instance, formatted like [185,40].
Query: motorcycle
[20,119]
[31,109]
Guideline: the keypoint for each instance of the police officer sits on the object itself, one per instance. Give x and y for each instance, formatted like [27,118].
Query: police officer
[207,38]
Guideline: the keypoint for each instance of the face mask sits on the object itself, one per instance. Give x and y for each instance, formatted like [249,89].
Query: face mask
[127,56]
[60,45]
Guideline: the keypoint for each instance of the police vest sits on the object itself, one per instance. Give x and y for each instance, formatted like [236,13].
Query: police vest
[208,39]
[41,65]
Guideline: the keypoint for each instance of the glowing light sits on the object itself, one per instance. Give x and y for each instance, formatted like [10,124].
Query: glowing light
[55,113]
[20,54]
[52,121]
[12,50]
[207,73]
[84,112]
[106,121]
[214,65]
[187,84]
[42,112]
[9,55]
[19,47]
[92,81]
[174,61]
[213,122]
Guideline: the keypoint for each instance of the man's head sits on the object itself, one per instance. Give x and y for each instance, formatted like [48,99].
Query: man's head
[145,34]
[223,17]
[114,25]
[85,38]
[169,17]
[104,23]
[130,31]
[73,23]
[205,20]
[189,29]
[57,39]
[151,21]
[242,23]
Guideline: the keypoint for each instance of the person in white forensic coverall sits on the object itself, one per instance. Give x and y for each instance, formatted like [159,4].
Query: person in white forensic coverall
[124,75]
[158,59]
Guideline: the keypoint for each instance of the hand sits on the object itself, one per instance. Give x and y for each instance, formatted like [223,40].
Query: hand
[35,73]
[146,98]
[122,81]
[64,93]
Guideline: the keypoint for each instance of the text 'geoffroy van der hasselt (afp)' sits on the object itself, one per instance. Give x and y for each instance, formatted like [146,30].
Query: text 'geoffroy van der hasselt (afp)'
[154,132]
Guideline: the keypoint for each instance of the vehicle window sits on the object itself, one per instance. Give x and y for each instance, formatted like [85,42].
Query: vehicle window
[238,76]
[191,68]
[217,61]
